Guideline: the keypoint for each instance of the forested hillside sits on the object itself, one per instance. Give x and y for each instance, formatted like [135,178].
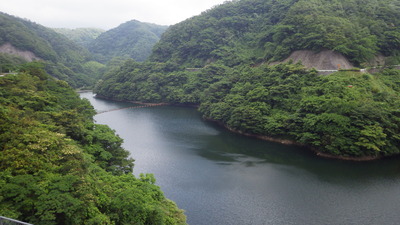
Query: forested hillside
[254,31]
[63,58]
[350,114]
[58,167]
[220,58]
[132,39]
[82,36]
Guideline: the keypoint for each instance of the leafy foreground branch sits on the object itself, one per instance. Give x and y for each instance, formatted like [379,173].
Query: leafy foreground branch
[58,167]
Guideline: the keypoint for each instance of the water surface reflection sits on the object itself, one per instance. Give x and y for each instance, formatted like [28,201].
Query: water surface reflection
[220,177]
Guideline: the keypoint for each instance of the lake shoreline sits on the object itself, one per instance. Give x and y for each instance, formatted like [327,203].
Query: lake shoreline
[295,143]
[148,103]
[262,137]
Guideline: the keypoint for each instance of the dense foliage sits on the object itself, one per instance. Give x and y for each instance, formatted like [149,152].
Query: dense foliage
[146,82]
[9,63]
[132,39]
[58,167]
[254,31]
[82,36]
[63,58]
[347,113]
[218,61]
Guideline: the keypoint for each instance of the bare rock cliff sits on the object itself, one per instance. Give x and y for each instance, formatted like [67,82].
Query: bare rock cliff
[10,49]
[323,60]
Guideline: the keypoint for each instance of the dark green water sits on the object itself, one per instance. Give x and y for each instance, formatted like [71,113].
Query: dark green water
[223,178]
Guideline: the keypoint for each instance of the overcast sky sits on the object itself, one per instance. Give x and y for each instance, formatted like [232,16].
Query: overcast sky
[104,14]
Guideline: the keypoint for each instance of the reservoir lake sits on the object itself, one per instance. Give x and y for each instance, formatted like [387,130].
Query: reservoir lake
[222,178]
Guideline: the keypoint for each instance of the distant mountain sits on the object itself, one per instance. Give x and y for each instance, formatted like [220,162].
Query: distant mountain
[132,39]
[63,58]
[82,36]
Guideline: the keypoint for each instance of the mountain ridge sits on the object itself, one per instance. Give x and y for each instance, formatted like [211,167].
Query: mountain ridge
[254,31]
[346,114]
[62,58]
[82,36]
[132,39]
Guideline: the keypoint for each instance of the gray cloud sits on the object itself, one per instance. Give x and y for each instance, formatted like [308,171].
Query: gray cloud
[105,14]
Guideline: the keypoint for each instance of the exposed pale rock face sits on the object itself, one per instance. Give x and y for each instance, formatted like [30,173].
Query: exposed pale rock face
[323,60]
[10,49]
